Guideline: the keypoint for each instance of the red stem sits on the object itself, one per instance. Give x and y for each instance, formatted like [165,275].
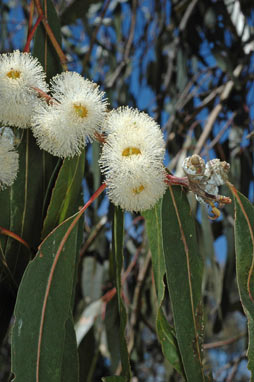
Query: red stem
[51,35]
[14,236]
[31,14]
[174,180]
[31,34]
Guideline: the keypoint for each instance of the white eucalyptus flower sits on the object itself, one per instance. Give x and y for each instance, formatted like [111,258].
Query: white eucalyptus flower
[9,158]
[63,127]
[132,160]
[20,73]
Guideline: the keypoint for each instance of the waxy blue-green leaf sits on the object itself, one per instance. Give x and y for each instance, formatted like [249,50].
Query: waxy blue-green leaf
[117,246]
[43,308]
[244,247]
[66,191]
[164,330]
[184,275]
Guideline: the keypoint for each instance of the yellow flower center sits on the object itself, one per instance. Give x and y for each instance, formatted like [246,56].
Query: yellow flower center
[14,74]
[130,151]
[80,110]
[138,190]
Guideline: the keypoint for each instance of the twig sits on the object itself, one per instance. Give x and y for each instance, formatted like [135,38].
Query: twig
[222,343]
[93,235]
[182,26]
[136,299]
[50,100]
[229,364]
[147,323]
[31,34]
[184,97]
[187,14]
[30,20]
[175,180]
[234,368]
[215,112]
[111,81]
[88,54]
[220,134]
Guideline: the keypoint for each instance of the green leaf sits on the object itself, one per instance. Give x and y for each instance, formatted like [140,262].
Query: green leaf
[244,246]
[168,342]
[153,227]
[21,212]
[88,355]
[115,379]
[66,191]
[43,307]
[165,332]
[70,363]
[43,48]
[117,246]
[184,275]
[113,333]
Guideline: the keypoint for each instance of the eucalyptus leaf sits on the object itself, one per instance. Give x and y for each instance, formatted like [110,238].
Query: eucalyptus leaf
[38,336]
[184,269]
[244,247]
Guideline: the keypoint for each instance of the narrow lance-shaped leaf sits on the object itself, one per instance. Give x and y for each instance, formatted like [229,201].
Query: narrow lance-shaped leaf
[66,191]
[115,379]
[184,274]
[165,331]
[40,324]
[244,247]
[21,213]
[118,260]
[70,362]
[153,227]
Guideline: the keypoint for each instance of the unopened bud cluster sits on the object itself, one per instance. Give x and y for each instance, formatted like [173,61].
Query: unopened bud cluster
[205,179]
[74,113]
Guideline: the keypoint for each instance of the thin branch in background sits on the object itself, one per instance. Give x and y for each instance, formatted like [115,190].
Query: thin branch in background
[93,235]
[136,306]
[222,343]
[30,20]
[228,365]
[228,87]
[219,135]
[184,97]
[93,38]
[111,81]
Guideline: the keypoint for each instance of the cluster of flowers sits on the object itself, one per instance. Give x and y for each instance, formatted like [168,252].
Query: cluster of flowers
[76,112]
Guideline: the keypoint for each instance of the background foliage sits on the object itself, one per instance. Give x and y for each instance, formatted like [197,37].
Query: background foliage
[189,64]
